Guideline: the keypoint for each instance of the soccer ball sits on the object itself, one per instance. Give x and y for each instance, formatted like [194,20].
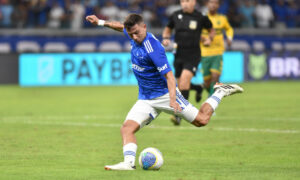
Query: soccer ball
[151,159]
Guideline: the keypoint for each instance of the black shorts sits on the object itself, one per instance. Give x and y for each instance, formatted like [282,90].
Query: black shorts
[188,62]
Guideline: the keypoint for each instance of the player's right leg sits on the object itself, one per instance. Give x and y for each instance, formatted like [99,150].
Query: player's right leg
[140,114]
[215,69]
[210,105]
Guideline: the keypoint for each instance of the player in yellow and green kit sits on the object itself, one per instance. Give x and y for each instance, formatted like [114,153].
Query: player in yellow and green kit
[212,56]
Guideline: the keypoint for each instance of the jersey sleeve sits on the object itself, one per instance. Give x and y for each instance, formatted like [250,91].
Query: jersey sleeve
[126,34]
[171,23]
[158,55]
[228,29]
[206,22]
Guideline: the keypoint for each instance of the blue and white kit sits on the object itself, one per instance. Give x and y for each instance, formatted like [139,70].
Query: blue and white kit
[149,65]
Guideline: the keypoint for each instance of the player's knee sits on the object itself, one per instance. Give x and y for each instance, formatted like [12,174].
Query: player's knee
[129,128]
[201,120]
[184,85]
[126,129]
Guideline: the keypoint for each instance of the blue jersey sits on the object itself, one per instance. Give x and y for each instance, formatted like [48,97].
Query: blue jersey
[149,65]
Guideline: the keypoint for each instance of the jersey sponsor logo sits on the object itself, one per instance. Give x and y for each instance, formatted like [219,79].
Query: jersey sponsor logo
[148,46]
[193,24]
[160,69]
[138,68]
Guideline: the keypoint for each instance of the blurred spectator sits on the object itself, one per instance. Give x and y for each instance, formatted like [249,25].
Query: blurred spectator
[247,11]
[55,16]
[123,13]
[224,6]
[110,10]
[77,18]
[89,9]
[6,10]
[66,19]
[293,14]
[173,7]
[280,11]
[0,16]
[147,15]
[122,4]
[233,15]
[202,7]
[264,15]
[70,13]
[161,7]
[99,14]
[134,7]
[38,12]
[20,15]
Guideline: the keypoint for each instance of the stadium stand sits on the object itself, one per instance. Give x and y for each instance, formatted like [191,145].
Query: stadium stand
[277,46]
[56,47]
[5,48]
[127,46]
[85,47]
[28,46]
[240,45]
[258,46]
[110,46]
[292,46]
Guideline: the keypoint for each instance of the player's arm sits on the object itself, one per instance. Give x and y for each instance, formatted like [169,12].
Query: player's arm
[172,91]
[207,24]
[229,32]
[207,40]
[115,25]
[167,32]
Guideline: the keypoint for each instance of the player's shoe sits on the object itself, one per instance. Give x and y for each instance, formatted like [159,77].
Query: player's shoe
[199,94]
[176,120]
[228,89]
[122,166]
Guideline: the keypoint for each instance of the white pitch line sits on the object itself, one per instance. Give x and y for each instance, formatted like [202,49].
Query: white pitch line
[94,117]
[84,124]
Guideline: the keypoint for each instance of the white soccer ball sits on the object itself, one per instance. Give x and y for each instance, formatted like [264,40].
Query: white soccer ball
[151,159]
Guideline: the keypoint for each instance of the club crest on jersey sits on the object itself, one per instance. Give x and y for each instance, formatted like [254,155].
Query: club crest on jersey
[193,24]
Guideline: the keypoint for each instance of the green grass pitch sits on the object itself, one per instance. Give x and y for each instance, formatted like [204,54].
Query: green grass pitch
[72,132]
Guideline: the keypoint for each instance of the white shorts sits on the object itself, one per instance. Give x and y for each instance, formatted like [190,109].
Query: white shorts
[144,111]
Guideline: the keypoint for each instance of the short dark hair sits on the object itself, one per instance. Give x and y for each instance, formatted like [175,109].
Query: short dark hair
[132,20]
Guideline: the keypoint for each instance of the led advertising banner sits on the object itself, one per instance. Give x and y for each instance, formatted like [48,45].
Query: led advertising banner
[273,65]
[75,69]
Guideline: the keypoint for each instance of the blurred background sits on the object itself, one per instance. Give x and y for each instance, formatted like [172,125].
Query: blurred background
[266,43]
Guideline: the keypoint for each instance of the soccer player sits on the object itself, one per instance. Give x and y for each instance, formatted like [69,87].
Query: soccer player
[212,55]
[157,87]
[188,24]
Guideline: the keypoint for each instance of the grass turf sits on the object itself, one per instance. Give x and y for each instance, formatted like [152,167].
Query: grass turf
[72,132]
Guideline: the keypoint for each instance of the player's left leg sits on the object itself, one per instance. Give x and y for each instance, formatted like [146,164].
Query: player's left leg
[129,147]
[140,114]
[215,77]
[215,71]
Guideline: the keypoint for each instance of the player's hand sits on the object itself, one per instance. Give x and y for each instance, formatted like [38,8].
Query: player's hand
[175,106]
[166,42]
[92,19]
[229,42]
[206,41]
